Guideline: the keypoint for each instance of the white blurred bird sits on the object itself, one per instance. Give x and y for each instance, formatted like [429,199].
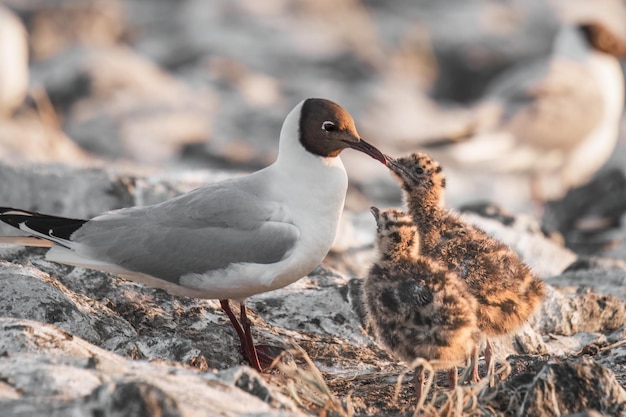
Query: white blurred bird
[555,119]
[13,62]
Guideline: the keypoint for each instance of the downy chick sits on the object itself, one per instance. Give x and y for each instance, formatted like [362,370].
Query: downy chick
[417,307]
[507,292]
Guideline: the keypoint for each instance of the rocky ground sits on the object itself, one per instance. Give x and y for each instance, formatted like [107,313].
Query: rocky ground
[81,340]
[138,101]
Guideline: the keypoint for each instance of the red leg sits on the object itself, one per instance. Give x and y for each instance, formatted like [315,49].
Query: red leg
[253,358]
[489,359]
[491,363]
[453,378]
[419,379]
[226,307]
[259,357]
[474,376]
[245,338]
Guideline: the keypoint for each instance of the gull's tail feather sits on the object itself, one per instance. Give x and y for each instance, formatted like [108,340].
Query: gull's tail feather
[42,226]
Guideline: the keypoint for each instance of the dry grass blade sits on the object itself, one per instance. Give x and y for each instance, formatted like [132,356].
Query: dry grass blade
[614,345]
[601,349]
[293,392]
[428,370]
[466,375]
[419,362]
[502,373]
[308,385]
[309,390]
[463,401]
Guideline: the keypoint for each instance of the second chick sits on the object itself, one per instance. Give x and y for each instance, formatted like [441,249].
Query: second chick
[416,307]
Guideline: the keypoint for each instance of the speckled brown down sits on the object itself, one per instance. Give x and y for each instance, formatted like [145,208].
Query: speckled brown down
[417,308]
[507,292]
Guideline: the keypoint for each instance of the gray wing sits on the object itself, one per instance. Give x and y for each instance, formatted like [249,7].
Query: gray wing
[204,230]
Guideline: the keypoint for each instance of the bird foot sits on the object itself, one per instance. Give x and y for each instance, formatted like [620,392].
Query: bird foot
[260,357]
[267,355]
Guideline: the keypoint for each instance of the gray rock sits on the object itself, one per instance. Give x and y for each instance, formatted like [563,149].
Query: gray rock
[607,281]
[586,211]
[101,23]
[320,312]
[132,399]
[63,190]
[567,314]
[32,294]
[122,316]
[40,141]
[528,341]
[572,386]
[314,305]
[121,102]
[49,372]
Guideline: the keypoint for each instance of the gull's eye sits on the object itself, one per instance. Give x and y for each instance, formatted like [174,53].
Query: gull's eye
[329,126]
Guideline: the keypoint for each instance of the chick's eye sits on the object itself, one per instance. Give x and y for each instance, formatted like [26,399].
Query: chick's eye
[329,126]
[420,170]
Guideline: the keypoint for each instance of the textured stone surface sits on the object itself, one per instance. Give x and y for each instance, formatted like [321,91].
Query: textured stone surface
[319,312]
[29,293]
[585,214]
[63,190]
[606,281]
[122,103]
[567,314]
[569,387]
[49,372]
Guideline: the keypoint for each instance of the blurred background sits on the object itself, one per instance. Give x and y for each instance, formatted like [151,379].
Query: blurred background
[153,86]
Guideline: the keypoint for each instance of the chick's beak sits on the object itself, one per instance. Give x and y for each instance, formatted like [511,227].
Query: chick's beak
[398,169]
[393,165]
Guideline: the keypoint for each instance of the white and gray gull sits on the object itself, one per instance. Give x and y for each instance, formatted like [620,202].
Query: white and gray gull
[226,240]
[556,119]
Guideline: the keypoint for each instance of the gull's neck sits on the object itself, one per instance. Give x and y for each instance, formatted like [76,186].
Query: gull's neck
[309,182]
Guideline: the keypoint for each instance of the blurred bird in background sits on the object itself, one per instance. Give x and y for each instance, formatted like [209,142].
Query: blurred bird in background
[555,119]
[13,62]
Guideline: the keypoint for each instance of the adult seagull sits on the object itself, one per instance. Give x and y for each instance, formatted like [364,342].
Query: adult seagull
[555,119]
[226,240]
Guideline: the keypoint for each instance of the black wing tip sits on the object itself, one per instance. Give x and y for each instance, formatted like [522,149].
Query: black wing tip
[53,226]
[14,217]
